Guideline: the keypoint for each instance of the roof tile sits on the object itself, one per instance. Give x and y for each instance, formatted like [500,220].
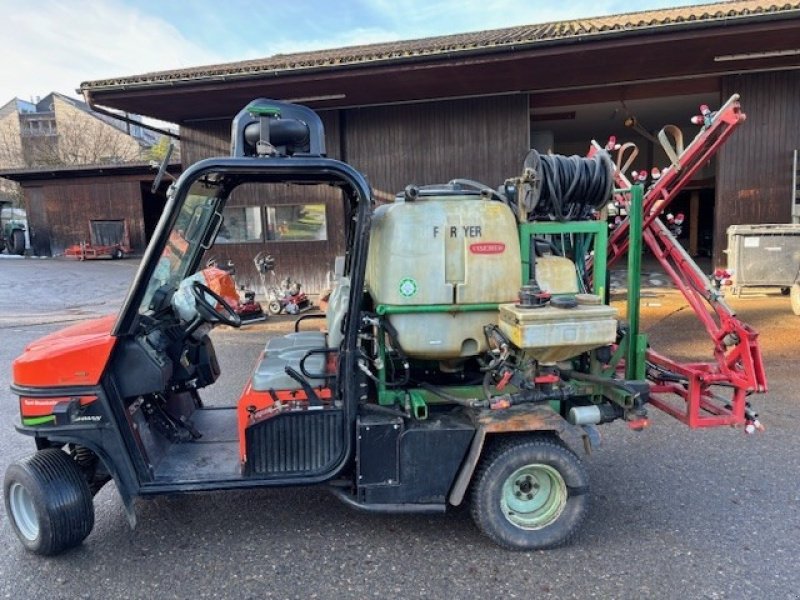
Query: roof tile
[566,31]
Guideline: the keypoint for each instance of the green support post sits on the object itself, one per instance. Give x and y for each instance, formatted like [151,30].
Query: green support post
[636,343]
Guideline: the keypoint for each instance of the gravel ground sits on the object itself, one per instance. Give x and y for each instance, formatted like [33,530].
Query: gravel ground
[675,513]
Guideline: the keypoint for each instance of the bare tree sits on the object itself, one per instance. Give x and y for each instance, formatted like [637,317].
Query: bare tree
[11,155]
[80,142]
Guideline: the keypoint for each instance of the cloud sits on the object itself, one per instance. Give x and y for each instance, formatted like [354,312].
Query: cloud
[53,46]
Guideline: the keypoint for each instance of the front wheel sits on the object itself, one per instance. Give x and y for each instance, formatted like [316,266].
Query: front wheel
[530,494]
[274,307]
[16,243]
[48,502]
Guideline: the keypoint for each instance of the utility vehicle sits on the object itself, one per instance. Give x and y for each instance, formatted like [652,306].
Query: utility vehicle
[460,347]
[12,228]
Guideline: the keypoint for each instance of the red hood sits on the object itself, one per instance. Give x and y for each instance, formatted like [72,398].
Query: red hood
[76,355]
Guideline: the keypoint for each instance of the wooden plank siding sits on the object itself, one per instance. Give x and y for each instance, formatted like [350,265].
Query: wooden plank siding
[59,212]
[306,261]
[485,139]
[754,168]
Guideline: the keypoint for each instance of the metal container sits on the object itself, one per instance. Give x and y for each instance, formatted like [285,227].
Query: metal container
[763,255]
[551,334]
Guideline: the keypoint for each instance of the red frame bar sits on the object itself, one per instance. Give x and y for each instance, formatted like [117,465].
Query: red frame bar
[738,363]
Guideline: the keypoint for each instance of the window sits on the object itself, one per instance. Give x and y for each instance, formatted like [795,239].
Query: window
[241,224]
[297,223]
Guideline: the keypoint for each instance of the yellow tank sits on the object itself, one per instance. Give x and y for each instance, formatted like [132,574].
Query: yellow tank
[444,248]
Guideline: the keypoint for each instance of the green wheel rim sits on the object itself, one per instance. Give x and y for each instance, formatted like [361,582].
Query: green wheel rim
[534,496]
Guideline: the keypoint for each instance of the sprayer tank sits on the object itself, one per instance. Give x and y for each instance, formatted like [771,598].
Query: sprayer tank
[453,256]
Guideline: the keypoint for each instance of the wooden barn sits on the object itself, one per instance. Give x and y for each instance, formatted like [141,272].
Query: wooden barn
[64,202]
[471,105]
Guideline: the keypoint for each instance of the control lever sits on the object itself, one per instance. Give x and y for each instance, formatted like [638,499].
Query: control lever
[313,399]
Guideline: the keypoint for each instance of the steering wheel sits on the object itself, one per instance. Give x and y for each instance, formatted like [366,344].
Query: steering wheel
[226,315]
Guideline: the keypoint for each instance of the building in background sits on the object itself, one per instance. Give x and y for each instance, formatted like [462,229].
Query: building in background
[75,165]
[471,105]
[58,130]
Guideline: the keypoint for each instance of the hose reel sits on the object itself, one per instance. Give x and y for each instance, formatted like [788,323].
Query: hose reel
[561,188]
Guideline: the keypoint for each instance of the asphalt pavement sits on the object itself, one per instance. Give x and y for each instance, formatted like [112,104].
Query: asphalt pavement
[675,513]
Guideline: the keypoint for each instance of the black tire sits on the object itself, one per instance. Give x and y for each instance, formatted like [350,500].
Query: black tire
[48,502]
[274,308]
[2,245]
[785,291]
[794,297]
[554,518]
[117,254]
[17,242]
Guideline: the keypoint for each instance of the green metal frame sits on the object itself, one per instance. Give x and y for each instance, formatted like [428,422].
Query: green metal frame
[398,309]
[632,347]
[636,343]
[598,228]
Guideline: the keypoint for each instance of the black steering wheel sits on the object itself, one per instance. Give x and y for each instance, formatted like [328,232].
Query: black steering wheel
[226,315]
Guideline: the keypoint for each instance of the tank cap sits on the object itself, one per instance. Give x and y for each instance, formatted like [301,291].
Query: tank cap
[564,302]
[532,296]
[411,193]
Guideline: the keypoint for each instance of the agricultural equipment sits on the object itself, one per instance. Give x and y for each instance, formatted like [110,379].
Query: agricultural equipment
[241,299]
[107,239]
[282,295]
[465,341]
[712,393]
[12,229]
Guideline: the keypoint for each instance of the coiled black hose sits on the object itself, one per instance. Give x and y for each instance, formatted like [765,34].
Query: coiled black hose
[565,188]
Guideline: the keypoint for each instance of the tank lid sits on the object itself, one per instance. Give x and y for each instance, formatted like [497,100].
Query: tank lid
[438,190]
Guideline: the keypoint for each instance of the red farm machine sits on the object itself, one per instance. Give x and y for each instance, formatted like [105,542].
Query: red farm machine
[107,239]
[468,334]
[737,364]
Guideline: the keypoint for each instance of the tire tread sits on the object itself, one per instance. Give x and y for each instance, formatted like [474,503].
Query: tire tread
[499,448]
[63,493]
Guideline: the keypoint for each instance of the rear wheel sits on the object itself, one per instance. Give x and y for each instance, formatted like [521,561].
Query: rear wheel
[17,242]
[794,296]
[530,494]
[274,307]
[48,502]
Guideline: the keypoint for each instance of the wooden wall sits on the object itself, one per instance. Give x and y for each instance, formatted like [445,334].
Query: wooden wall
[308,261]
[754,168]
[485,139]
[59,211]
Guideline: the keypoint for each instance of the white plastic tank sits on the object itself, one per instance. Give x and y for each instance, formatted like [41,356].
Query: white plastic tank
[446,248]
[552,334]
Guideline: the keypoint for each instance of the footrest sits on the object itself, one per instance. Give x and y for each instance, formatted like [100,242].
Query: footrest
[303,442]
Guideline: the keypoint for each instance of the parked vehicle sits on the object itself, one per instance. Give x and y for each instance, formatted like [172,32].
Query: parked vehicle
[242,300]
[284,296]
[13,225]
[460,350]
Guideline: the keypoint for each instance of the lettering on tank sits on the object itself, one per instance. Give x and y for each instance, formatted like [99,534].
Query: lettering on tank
[456,231]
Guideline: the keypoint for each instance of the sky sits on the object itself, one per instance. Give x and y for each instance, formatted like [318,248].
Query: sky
[54,45]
